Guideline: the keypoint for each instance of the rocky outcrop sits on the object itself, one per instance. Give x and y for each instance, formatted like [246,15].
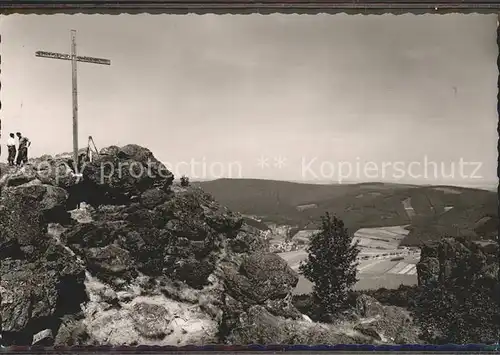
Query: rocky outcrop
[120,255]
[458,298]
[143,262]
[438,260]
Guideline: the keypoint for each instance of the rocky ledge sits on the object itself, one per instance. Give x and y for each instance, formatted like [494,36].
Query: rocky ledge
[122,255]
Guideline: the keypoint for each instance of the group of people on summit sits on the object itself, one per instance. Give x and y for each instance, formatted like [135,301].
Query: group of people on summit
[23,143]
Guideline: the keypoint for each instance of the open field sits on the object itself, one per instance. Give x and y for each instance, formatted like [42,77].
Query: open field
[386,238]
[377,267]
[377,273]
[365,283]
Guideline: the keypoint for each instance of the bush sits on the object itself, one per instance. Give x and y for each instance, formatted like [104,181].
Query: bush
[184,181]
[331,266]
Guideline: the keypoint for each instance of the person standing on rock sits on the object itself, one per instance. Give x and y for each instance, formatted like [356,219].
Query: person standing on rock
[11,148]
[22,153]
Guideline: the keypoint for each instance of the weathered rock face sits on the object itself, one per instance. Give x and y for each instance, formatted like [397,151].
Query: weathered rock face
[262,279]
[148,263]
[122,175]
[39,283]
[25,212]
[368,307]
[439,259]
[33,291]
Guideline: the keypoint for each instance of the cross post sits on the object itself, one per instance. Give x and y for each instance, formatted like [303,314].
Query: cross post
[74,59]
[75,99]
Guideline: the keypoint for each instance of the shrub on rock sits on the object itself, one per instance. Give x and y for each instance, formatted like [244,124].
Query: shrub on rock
[184,181]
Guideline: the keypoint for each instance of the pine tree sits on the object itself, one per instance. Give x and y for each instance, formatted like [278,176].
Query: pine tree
[331,266]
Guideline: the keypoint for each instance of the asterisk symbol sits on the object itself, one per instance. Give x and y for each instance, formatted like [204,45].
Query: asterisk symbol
[263,162]
[279,162]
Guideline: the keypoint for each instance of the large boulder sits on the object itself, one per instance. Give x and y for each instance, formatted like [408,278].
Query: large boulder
[13,176]
[124,174]
[368,307]
[270,275]
[262,279]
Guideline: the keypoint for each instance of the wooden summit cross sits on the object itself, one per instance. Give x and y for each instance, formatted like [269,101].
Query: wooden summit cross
[74,59]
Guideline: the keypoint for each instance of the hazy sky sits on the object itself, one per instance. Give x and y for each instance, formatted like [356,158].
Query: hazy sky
[226,90]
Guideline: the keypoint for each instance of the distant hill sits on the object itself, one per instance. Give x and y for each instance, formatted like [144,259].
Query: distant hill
[438,210]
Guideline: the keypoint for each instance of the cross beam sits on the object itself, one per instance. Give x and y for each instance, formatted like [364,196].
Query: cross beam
[54,55]
[74,59]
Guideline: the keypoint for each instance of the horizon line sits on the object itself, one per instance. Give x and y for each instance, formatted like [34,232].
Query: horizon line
[490,184]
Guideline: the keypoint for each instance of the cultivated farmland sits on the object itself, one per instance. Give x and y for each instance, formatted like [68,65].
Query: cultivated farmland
[382,262]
